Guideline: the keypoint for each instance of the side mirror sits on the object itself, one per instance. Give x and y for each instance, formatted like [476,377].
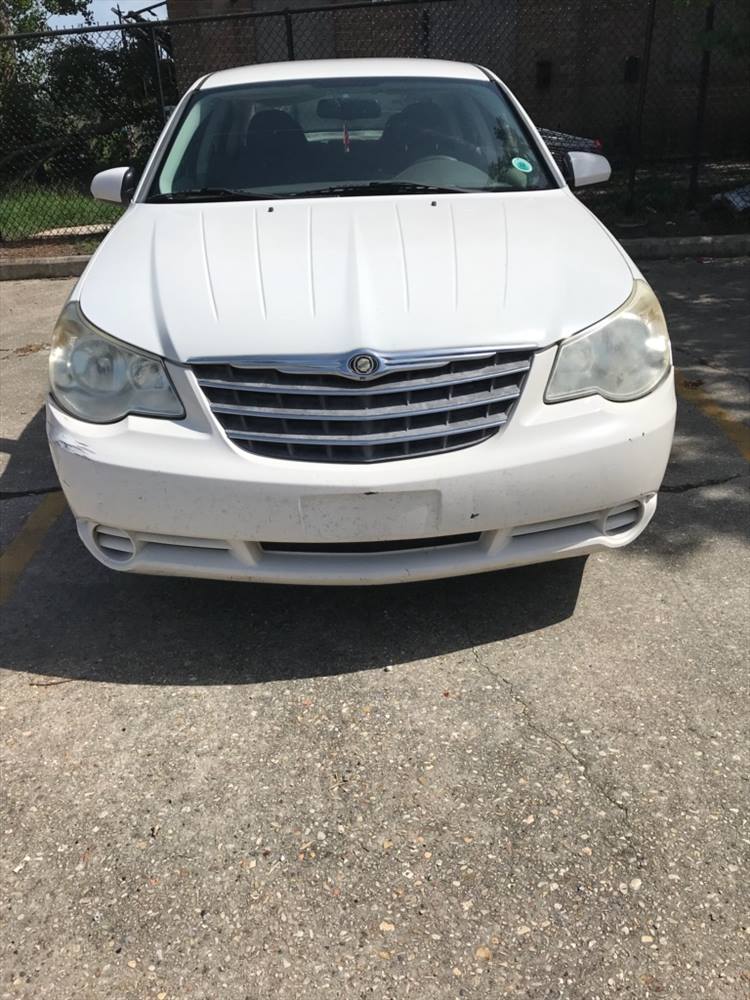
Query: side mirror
[116,184]
[581,169]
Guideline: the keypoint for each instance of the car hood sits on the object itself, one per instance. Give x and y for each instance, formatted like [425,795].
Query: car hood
[219,280]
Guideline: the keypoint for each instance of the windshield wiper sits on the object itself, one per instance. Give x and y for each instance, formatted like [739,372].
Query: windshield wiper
[379,187]
[408,187]
[334,191]
[208,194]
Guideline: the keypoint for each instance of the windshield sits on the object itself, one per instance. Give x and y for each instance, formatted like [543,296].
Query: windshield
[361,135]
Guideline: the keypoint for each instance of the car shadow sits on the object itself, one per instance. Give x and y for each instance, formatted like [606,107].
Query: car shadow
[71,617]
[29,468]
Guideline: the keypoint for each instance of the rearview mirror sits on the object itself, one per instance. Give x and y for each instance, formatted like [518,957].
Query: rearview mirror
[116,184]
[347,109]
[581,169]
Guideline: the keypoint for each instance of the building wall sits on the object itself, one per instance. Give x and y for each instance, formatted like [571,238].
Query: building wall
[565,59]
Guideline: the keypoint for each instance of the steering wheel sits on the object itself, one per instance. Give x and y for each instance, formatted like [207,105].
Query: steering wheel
[443,171]
[432,158]
[448,146]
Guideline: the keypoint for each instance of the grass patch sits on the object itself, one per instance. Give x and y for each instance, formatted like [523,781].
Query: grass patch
[27,210]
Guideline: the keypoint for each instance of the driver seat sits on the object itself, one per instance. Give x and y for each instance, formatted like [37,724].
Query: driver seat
[274,145]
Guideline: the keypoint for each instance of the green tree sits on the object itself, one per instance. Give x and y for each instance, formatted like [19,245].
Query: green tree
[72,104]
[18,16]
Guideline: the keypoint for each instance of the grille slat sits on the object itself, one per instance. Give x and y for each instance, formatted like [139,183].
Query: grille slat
[347,387]
[326,417]
[375,412]
[386,437]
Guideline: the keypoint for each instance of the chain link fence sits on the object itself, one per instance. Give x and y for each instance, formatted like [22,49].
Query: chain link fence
[662,85]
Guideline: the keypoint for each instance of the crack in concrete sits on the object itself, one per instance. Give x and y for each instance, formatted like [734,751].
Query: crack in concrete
[17,494]
[685,487]
[535,727]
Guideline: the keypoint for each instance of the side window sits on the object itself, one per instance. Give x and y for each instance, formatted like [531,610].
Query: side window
[205,143]
[168,176]
[192,168]
[219,144]
[194,154]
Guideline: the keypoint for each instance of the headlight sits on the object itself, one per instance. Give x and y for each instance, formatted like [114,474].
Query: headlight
[622,357]
[101,380]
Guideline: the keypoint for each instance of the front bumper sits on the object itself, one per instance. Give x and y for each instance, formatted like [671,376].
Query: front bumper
[177,498]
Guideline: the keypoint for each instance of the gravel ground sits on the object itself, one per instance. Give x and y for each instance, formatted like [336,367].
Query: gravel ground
[527,784]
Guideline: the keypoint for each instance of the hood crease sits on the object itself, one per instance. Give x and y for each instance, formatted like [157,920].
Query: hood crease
[207,269]
[168,348]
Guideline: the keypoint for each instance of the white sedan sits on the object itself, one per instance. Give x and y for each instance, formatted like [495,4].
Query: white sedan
[354,327]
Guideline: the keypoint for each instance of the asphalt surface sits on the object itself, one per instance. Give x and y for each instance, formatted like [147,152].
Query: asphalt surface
[529,784]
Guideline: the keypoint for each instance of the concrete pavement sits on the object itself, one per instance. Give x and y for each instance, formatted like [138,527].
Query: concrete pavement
[531,783]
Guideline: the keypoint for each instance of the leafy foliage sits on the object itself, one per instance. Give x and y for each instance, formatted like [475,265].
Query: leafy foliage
[18,16]
[73,104]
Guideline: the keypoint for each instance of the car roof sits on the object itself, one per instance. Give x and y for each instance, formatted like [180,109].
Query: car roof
[325,69]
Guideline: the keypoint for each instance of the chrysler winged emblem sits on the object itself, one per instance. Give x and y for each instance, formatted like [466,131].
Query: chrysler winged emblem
[364,364]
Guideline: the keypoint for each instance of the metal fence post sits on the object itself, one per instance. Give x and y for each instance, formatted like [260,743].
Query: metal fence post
[700,114]
[289,34]
[635,153]
[425,34]
[159,83]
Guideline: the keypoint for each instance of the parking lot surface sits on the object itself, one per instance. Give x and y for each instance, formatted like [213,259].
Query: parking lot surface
[529,784]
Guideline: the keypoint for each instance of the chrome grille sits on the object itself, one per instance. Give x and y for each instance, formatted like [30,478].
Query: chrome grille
[314,416]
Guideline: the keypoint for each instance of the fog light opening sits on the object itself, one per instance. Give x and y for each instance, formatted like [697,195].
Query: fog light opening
[113,543]
[623,518]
